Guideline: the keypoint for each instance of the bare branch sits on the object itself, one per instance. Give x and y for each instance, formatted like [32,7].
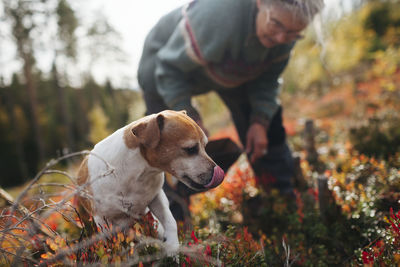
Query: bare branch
[18,256]
[44,207]
[62,173]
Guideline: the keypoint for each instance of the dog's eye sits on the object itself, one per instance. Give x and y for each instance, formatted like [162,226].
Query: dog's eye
[192,150]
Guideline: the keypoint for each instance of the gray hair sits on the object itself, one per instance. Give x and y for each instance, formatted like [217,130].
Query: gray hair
[306,9]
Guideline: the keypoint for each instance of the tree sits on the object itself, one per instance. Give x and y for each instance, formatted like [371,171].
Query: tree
[15,125]
[21,16]
[101,44]
[66,47]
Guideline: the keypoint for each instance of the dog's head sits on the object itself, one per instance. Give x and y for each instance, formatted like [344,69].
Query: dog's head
[173,142]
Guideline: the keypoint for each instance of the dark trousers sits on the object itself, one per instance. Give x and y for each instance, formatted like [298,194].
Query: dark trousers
[238,104]
[276,168]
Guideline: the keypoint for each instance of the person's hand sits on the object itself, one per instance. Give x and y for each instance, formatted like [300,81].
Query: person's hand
[256,141]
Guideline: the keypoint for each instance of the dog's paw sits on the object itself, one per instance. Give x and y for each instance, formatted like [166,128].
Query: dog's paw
[171,247]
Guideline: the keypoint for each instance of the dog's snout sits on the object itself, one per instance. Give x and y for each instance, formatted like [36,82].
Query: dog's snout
[217,178]
[209,180]
[206,177]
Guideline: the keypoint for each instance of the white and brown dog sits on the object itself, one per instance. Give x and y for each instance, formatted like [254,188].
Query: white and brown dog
[140,153]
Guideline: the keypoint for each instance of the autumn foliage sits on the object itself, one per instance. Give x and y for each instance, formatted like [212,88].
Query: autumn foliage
[353,102]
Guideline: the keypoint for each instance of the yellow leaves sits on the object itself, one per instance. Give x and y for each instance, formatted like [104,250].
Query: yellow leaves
[138,229]
[392,36]
[348,46]
[348,43]
[104,259]
[117,261]
[98,125]
[305,64]
[386,62]
[52,244]
[56,244]
[100,251]
[340,177]
[120,237]
[389,86]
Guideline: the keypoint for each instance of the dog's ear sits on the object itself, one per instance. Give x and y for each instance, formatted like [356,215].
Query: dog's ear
[148,133]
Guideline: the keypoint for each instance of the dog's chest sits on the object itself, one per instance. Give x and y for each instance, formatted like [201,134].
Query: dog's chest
[129,188]
[127,197]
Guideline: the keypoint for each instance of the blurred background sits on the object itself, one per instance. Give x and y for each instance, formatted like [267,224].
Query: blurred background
[68,76]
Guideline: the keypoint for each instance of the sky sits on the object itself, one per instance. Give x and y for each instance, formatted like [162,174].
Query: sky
[133,19]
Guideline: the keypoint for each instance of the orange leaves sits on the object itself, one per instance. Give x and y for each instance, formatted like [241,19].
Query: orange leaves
[109,246]
[227,197]
[54,244]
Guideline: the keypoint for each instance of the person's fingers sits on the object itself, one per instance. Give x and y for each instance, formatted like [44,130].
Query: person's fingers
[259,151]
[256,142]
[249,143]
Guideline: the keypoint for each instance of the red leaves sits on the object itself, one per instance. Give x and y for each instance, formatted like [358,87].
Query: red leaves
[208,250]
[367,257]
[395,222]
[206,253]
[300,205]
[194,238]
[373,254]
[314,192]
[395,225]
[266,180]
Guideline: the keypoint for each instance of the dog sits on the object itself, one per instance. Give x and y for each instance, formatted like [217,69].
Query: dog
[139,154]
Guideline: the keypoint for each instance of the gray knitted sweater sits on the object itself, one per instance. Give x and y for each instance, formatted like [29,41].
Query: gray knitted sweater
[211,45]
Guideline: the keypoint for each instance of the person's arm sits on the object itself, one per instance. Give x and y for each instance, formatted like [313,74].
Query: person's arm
[199,39]
[263,93]
[172,71]
[263,96]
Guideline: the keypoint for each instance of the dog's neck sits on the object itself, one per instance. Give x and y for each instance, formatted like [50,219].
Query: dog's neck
[133,182]
[126,161]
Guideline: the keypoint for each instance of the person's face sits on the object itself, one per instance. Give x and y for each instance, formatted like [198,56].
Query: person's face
[277,25]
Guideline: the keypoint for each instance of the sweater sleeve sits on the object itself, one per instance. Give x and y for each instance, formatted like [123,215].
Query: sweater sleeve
[264,92]
[172,68]
[201,37]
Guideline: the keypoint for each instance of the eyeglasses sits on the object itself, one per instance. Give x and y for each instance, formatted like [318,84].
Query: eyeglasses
[277,27]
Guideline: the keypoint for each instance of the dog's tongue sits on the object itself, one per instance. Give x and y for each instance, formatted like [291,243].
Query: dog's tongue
[217,178]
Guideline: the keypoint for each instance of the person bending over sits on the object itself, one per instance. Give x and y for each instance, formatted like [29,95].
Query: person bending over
[237,48]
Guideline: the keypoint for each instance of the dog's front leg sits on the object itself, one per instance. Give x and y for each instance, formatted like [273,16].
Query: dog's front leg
[160,208]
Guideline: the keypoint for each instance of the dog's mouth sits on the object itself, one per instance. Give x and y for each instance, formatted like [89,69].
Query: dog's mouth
[215,180]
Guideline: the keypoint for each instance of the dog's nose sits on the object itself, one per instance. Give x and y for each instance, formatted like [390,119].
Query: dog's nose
[217,178]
